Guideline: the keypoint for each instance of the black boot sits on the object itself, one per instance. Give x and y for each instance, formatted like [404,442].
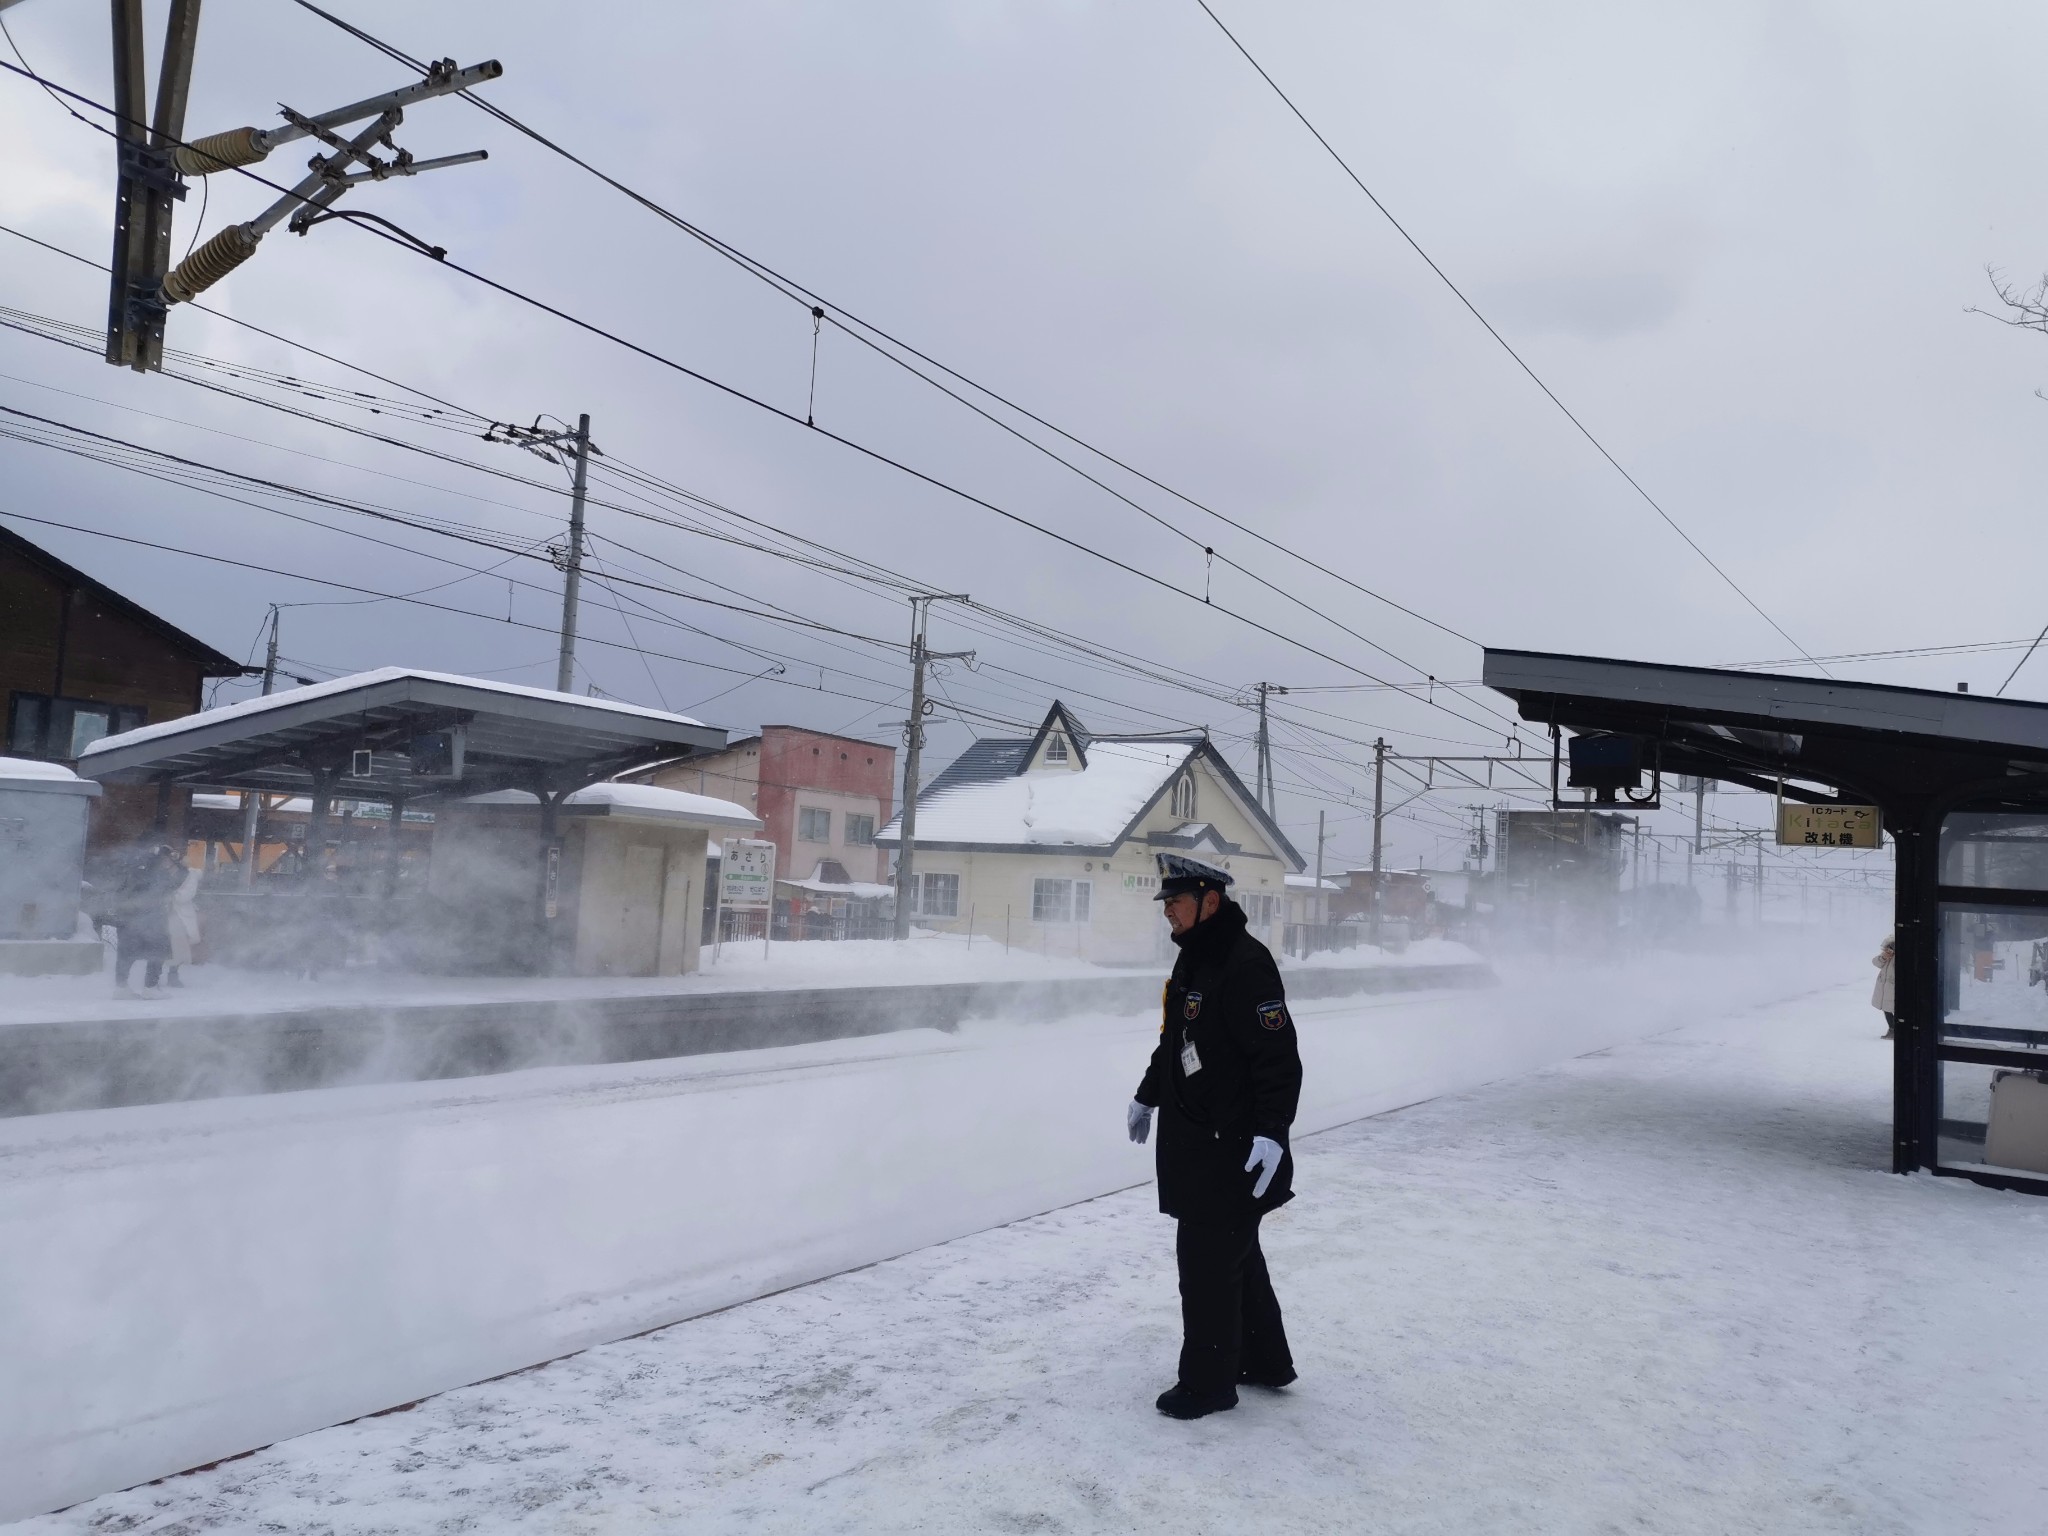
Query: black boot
[1179,1402]
[1274,1380]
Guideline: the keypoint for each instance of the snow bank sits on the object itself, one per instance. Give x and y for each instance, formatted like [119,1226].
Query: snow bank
[185,1282]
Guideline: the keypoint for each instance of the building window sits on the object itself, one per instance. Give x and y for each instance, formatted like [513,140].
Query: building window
[1061,901]
[1184,797]
[938,895]
[813,825]
[860,830]
[1056,749]
[41,726]
[1258,909]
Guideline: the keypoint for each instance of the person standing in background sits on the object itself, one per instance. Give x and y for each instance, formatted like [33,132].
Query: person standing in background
[142,916]
[184,920]
[1883,997]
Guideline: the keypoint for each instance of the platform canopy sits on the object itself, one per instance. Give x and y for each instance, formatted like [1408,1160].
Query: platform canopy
[426,734]
[1862,742]
[1960,782]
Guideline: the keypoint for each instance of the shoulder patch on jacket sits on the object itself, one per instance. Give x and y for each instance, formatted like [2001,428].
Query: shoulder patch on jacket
[1274,1014]
[1191,1006]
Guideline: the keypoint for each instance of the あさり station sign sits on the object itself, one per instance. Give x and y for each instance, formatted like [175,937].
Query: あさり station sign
[1829,826]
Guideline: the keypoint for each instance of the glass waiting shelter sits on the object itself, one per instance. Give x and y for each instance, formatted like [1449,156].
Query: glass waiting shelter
[1960,782]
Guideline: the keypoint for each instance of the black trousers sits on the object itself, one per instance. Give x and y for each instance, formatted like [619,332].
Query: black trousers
[1229,1316]
[131,946]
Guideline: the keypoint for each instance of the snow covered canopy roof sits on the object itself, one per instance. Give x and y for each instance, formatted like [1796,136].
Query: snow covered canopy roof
[511,736]
[990,798]
[645,802]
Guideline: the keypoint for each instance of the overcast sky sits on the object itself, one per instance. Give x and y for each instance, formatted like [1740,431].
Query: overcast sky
[1740,241]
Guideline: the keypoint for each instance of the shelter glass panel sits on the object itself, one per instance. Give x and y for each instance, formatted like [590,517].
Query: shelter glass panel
[1998,851]
[1994,977]
[1994,1118]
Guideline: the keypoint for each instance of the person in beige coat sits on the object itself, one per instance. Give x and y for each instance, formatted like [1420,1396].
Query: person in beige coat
[184,925]
[1884,995]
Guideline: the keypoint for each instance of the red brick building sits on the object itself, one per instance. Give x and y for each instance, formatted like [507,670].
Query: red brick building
[79,661]
[821,796]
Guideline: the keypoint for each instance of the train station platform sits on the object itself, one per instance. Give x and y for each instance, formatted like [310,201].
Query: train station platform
[1666,1287]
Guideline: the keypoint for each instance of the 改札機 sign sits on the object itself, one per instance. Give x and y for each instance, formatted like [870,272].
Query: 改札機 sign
[1829,826]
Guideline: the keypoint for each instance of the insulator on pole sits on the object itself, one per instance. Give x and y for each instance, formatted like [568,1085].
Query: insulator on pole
[210,263]
[220,152]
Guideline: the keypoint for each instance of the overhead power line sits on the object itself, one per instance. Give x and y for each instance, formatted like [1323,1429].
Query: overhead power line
[881,341]
[1520,362]
[875,454]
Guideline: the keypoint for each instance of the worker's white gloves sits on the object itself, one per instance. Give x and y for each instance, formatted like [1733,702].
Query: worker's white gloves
[1266,1155]
[1138,1120]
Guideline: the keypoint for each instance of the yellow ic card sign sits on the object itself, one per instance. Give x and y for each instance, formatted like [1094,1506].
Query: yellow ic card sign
[1829,826]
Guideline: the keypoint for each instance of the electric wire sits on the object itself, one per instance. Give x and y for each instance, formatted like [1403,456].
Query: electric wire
[1505,345]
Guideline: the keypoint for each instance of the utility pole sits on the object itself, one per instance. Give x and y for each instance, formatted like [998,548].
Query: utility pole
[913,748]
[1379,791]
[1263,786]
[550,443]
[1699,813]
[252,800]
[1321,906]
[572,579]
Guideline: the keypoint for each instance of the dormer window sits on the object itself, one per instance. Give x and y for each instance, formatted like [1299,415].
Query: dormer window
[1056,749]
[1184,797]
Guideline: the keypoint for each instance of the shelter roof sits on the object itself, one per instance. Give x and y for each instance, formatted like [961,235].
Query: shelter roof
[512,736]
[635,801]
[1864,741]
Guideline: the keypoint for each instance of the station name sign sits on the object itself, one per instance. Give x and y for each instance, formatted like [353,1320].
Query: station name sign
[1829,826]
[746,878]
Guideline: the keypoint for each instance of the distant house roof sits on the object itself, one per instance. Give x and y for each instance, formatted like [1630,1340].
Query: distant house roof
[211,663]
[986,800]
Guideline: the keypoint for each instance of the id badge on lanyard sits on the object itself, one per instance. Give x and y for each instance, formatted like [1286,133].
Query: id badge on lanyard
[1190,1063]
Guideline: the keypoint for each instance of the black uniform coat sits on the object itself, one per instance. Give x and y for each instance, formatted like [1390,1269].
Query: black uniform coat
[1224,999]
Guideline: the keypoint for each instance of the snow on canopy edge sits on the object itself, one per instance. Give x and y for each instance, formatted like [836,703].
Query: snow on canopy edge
[681,804]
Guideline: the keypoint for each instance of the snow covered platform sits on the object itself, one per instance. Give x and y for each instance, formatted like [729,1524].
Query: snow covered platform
[1664,1287]
[66,1044]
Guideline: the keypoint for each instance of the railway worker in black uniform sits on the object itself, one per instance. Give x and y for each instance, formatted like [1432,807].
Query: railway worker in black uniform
[1223,1081]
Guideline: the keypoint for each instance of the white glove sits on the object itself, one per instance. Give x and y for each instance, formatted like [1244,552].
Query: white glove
[1266,1155]
[1138,1120]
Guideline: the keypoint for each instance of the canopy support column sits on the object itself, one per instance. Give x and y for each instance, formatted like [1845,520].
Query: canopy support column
[1916,986]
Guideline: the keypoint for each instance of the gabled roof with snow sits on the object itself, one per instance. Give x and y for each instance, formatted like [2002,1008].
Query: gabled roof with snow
[990,798]
[1091,807]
